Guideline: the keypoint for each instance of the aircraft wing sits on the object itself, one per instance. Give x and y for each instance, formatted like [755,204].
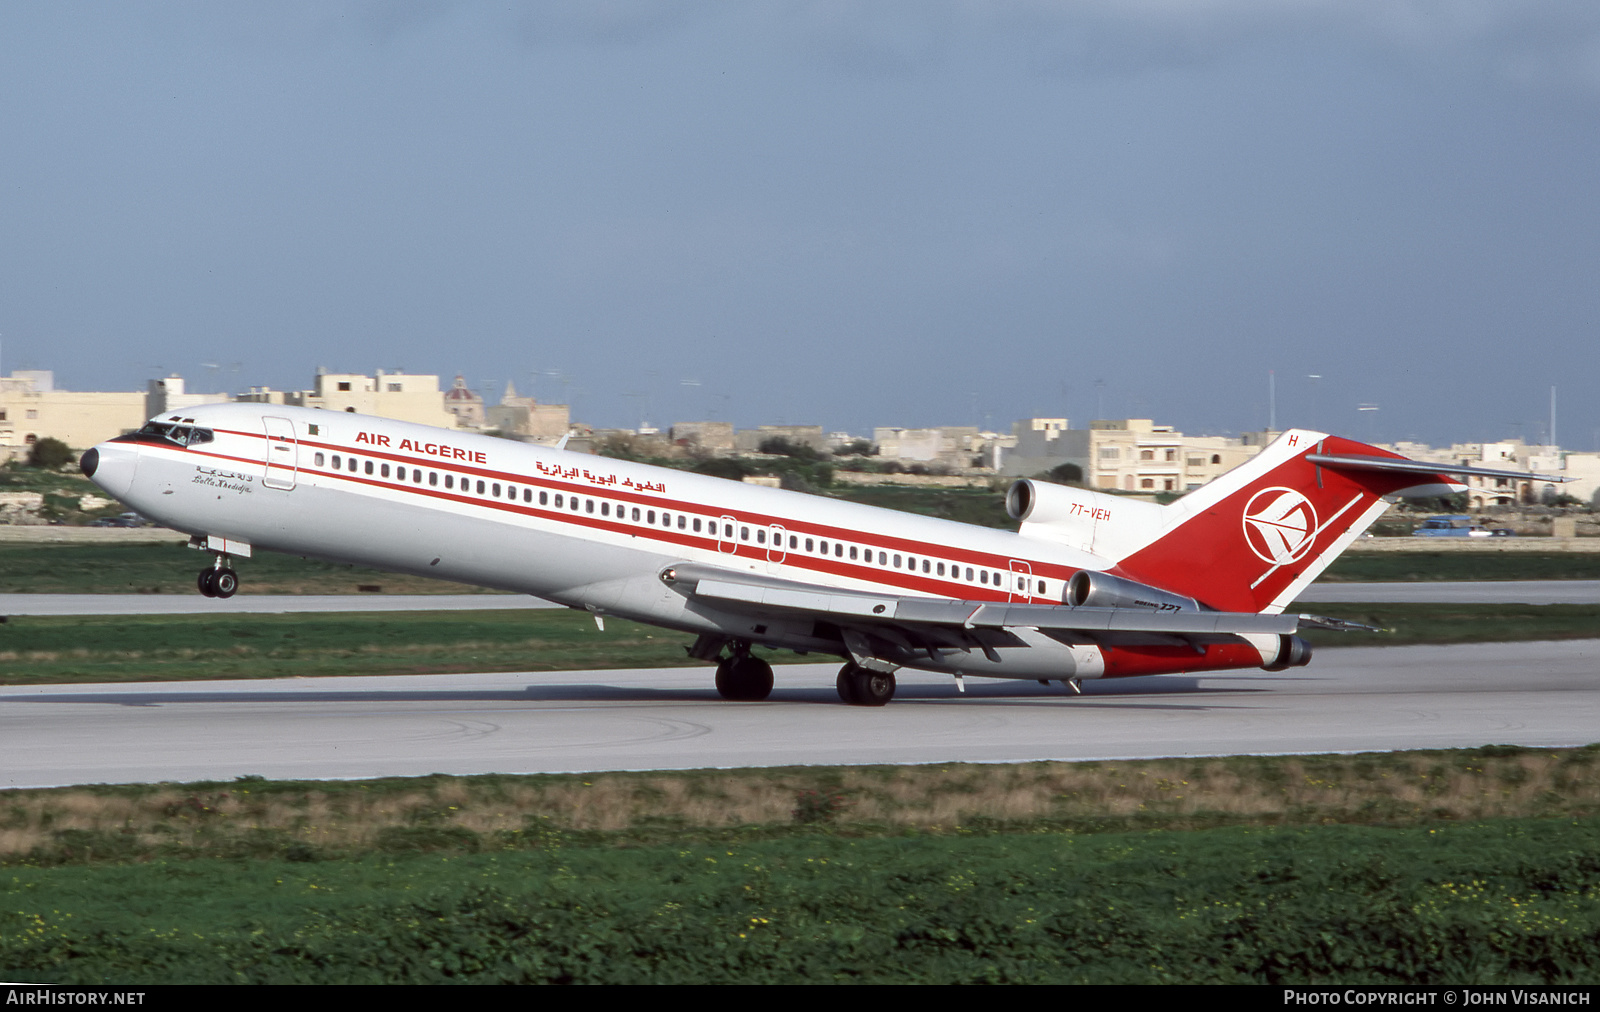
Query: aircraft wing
[943,623]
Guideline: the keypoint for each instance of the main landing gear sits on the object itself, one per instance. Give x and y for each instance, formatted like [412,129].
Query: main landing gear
[743,677]
[861,687]
[219,580]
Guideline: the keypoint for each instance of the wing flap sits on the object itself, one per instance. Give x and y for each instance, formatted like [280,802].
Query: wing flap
[751,589]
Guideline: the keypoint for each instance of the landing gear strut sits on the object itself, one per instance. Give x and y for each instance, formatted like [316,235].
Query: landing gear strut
[861,687]
[743,677]
[219,580]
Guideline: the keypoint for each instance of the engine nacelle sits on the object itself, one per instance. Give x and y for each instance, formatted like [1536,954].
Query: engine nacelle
[1107,525]
[1089,589]
[1293,652]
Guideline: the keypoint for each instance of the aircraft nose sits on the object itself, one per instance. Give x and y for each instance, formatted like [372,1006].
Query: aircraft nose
[111,466]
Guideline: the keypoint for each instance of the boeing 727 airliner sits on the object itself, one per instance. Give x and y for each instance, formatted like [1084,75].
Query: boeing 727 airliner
[1091,585]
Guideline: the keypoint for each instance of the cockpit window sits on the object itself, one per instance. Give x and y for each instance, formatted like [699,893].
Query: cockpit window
[167,432]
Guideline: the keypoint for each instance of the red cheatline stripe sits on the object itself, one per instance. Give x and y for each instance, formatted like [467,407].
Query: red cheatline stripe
[886,542]
[871,573]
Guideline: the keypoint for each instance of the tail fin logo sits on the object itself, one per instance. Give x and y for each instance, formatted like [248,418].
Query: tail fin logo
[1279,525]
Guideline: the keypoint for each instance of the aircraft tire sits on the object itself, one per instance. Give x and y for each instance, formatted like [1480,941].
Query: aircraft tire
[225,584]
[745,679]
[846,683]
[206,583]
[867,688]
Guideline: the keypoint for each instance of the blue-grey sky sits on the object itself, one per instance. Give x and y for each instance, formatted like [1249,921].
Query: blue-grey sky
[850,214]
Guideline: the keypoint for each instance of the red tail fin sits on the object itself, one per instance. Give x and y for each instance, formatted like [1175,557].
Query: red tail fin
[1254,538]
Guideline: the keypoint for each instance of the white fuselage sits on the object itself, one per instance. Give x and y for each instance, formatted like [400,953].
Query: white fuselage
[585,531]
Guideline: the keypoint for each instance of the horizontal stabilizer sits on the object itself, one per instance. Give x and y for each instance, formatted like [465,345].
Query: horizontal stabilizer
[1353,462]
[1337,624]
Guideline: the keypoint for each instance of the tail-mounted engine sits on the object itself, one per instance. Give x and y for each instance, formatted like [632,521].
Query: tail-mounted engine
[1109,526]
[1293,652]
[1089,589]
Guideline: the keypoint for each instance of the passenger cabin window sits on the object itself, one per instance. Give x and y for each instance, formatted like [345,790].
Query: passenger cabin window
[317,459]
[337,465]
[383,471]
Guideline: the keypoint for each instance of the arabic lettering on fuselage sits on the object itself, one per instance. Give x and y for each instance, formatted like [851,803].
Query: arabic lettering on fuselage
[603,480]
[228,480]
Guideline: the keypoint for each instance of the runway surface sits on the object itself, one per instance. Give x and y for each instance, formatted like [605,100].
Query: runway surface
[256,604]
[1510,592]
[1354,699]
[1444,592]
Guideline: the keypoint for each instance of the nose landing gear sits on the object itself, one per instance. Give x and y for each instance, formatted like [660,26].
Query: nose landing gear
[218,581]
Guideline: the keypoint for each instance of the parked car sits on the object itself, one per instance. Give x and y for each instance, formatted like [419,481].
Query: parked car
[1459,526]
[125,520]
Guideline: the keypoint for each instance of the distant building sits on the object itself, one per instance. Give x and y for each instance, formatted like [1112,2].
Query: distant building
[1127,454]
[31,408]
[414,397]
[516,415]
[1043,444]
[750,440]
[1509,455]
[404,397]
[1584,470]
[709,437]
[948,445]
[466,406]
[164,396]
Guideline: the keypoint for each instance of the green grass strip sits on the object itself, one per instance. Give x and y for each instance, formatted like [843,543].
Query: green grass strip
[1506,901]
